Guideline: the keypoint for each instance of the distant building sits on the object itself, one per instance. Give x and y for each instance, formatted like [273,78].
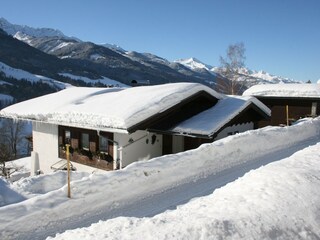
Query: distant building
[109,128]
[288,102]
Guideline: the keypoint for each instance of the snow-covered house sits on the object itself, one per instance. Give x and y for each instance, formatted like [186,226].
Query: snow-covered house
[111,128]
[288,102]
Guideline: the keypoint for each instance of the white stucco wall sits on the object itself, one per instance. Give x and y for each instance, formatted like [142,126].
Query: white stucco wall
[134,147]
[45,143]
[235,129]
[137,146]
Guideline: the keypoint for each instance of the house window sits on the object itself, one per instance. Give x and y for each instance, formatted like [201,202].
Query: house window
[314,109]
[85,141]
[67,137]
[103,144]
[87,147]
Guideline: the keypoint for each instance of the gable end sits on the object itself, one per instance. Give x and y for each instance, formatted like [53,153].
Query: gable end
[185,109]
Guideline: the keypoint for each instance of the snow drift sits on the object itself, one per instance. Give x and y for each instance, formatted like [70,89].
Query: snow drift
[278,201]
[95,195]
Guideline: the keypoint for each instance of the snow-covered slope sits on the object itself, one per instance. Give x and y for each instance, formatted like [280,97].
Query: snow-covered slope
[103,81]
[23,75]
[276,202]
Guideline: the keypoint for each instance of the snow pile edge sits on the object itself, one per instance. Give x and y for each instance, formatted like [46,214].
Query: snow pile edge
[114,189]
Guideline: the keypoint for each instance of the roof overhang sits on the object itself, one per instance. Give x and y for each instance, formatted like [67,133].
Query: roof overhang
[288,98]
[250,112]
[185,109]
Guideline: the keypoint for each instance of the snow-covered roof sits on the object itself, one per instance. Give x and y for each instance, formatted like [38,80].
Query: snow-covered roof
[212,120]
[285,90]
[105,107]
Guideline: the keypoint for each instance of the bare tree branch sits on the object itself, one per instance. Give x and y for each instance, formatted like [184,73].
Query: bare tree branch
[11,135]
[230,69]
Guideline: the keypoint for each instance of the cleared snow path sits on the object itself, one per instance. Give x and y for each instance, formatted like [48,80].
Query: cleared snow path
[148,188]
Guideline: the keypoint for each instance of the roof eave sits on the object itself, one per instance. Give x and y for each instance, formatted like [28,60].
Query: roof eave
[98,128]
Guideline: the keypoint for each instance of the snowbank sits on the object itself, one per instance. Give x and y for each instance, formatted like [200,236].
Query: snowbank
[93,197]
[7,194]
[42,184]
[22,168]
[277,201]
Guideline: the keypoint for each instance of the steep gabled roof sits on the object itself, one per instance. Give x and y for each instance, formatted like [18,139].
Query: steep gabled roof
[105,108]
[284,90]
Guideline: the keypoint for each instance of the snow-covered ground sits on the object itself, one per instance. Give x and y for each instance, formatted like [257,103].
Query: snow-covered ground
[21,168]
[278,201]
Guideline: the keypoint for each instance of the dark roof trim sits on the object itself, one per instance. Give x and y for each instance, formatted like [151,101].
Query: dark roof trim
[233,121]
[160,117]
[215,133]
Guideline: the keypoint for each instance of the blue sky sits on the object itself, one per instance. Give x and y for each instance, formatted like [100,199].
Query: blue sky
[281,37]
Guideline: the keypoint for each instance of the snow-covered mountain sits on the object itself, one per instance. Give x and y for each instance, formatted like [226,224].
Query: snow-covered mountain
[113,47]
[194,63]
[265,77]
[13,29]
[251,77]
[114,62]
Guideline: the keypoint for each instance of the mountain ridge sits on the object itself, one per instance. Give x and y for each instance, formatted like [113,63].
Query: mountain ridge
[12,29]
[109,60]
[251,76]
